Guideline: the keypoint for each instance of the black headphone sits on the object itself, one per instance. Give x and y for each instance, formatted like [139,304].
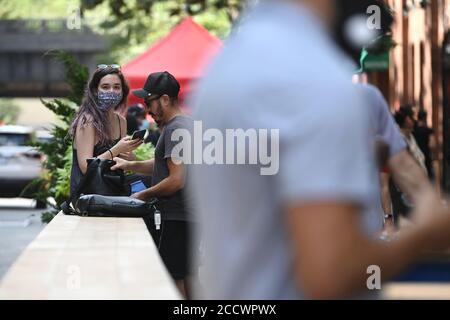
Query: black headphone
[355,14]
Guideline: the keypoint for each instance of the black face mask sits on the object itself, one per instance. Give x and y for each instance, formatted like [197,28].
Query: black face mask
[352,16]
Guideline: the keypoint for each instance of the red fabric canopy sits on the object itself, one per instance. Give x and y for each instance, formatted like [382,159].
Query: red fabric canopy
[184,52]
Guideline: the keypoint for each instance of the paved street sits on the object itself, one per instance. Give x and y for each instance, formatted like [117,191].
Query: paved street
[20,223]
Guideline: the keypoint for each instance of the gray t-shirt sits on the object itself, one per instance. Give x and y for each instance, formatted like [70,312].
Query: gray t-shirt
[176,206]
[279,71]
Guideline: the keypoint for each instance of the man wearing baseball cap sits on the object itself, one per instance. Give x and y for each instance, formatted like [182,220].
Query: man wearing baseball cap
[160,93]
[160,84]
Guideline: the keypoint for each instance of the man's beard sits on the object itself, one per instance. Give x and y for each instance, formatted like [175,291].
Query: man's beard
[159,114]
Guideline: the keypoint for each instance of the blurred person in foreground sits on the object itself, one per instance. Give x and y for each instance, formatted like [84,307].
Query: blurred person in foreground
[304,232]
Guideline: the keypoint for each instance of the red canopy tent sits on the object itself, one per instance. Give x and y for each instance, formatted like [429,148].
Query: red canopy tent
[184,52]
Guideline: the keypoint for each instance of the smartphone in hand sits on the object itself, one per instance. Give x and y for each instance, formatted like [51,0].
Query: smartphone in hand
[140,134]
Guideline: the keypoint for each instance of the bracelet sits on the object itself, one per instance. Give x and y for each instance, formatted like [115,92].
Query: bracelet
[388,216]
[112,156]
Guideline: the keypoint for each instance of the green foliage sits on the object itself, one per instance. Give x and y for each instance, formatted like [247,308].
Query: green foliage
[123,10]
[43,9]
[129,26]
[46,217]
[9,111]
[145,151]
[77,76]
[62,188]
[131,33]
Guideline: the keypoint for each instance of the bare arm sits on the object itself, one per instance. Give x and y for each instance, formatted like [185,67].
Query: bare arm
[386,203]
[385,194]
[143,167]
[332,254]
[168,186]
[408,175]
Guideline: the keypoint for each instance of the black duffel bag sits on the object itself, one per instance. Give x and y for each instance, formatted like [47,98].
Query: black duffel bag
[95,205]
[103,192]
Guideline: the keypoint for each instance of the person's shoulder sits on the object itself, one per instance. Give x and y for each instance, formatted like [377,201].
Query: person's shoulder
[366,86]
[344,105]
[123,121]
[121,118]
[85,121]
[369,89]
[340,90]
[372,95]
[180,121]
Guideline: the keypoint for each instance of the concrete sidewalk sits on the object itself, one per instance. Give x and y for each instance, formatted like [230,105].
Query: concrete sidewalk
[19,225]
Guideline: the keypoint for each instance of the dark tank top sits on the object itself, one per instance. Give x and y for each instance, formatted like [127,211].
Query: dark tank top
[99,148]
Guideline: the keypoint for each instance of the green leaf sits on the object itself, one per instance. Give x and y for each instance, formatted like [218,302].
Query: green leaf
[145,151]
[76,74]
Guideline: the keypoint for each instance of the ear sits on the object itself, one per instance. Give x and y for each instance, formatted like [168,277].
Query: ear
[165,100]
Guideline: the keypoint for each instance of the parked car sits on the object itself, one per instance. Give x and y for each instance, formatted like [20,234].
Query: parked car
[20,163]
[43,136]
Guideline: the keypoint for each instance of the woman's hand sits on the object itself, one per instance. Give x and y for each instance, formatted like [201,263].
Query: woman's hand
[126,145]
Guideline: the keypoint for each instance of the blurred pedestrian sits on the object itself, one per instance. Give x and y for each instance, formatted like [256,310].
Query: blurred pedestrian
[405,120]
[301,232]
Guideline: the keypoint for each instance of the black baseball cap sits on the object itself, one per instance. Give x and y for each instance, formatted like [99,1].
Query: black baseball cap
[159,83]
[136,110]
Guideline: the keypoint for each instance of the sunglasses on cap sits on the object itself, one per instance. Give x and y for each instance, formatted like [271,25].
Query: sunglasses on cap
[112,66]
